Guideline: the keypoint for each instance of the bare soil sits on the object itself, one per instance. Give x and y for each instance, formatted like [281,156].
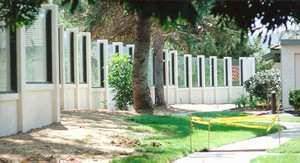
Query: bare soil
[95,135]
[80,135]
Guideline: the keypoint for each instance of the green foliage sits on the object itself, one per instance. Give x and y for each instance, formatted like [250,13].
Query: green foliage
[294,100]
[261,65]
[210,38]
[119,77]
[167,13]
[272,14]
[16,13]
[263,83]
[252,104]
[241,102]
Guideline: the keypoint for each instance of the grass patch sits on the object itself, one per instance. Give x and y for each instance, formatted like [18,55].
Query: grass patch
[288,152]
[174,135]
[286,158]
[140,128]
[289,119]
[292,146]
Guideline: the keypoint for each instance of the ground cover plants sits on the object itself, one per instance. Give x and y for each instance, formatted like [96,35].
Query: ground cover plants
[288,152]
[172,133]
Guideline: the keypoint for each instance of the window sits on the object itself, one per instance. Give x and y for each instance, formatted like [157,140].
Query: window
[150,69]
[38,45]
[82,58]
[212,72]
[130,51]
[164,67]
[117,49]
[59,48]
[69,56]
[200,72]
[8,62]
[241,72]
[226,72]
[102,64]
[95,65]
[187,71]
[173,69]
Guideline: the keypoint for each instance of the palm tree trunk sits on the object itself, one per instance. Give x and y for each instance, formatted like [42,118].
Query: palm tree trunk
[158,70]
[141,91]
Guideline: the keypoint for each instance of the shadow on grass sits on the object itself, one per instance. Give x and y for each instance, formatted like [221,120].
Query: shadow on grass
[175,130]
[179,125]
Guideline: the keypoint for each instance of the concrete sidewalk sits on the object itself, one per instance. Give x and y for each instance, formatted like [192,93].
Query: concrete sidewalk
[257,145]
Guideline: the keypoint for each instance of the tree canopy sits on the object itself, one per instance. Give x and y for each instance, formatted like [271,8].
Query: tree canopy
[271,14]
[16,13]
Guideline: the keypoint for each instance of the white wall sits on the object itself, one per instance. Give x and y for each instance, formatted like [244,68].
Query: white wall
[34,105]
[8,114]
[288,71]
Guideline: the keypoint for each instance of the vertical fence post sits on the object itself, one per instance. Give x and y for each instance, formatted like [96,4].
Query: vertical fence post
[274,102]
[21,76]
[105,67]
[62,66]
[89,69]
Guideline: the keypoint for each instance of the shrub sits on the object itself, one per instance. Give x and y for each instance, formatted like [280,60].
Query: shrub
[241,102]
[252,104]
[262,83]
[294,100]
[119,77]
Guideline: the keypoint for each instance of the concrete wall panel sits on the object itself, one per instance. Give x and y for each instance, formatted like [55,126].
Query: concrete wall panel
[8,117]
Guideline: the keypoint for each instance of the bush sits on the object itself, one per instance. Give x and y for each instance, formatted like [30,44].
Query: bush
[241,102]
[262,83]
[294,100]
[119,77]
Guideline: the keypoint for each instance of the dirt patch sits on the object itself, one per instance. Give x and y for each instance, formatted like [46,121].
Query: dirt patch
[127,143]
[83,135]
[79,135]
[155,144]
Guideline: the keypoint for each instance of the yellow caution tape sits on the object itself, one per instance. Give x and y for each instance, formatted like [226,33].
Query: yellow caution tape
[241,119]
[199,120]
[230,121]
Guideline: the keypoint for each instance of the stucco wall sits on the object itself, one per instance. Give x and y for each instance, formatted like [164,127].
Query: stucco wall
[288,71]
[38,105]
[98,98]
[8,114]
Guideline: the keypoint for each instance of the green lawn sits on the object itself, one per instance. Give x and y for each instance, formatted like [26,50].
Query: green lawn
[289,119]
[288,152]
[173,132]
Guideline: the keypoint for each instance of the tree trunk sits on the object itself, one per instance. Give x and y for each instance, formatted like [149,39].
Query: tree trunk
[141,91]
[159,41]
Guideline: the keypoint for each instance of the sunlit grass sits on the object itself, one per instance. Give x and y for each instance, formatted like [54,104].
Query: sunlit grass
[174,135]
[289,119]
[286,158]
[288,152]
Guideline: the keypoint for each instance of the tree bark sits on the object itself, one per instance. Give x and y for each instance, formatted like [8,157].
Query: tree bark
[159,41]
[141,92]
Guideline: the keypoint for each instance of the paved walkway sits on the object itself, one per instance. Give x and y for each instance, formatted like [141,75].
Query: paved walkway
[228,153]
